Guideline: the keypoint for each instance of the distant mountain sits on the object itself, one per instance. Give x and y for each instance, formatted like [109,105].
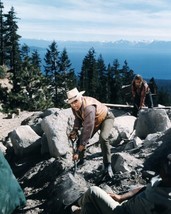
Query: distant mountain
[150,59]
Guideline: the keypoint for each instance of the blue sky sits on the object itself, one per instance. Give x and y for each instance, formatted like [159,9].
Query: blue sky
[93,20]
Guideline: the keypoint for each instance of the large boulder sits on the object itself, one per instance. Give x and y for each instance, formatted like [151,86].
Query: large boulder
[64,191]
[24,139]
[55,128]
[160,151]
[123,128]
[34,121]
[151,121]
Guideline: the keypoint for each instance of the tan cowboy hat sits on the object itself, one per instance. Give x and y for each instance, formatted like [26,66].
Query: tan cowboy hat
[73,95]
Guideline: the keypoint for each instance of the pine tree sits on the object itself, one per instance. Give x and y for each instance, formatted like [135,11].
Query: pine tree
[36,60]
[67,77]
[164,97]
[102,80]
[127,76]
[35,90]
[42,98]
[2,51]
[88,80]
[12,49]
[109,84]
[31,91]
[18,97]
[11,56]
[60,77]
[52,71]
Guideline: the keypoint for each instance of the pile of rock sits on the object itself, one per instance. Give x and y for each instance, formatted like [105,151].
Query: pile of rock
[41,156]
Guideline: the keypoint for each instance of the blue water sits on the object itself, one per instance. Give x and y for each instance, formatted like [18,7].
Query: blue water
[148,60]
[149,65]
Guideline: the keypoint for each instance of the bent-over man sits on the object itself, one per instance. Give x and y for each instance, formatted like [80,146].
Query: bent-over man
[91,115]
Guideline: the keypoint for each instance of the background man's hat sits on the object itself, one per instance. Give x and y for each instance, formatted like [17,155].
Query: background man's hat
[73,95]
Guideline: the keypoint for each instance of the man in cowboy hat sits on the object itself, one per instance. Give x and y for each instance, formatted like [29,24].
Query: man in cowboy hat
[91,115]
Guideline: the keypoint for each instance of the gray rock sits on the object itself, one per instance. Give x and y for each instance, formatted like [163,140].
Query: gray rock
[162,149]
[55,128]
[23,137]
[124,162]
[152,121]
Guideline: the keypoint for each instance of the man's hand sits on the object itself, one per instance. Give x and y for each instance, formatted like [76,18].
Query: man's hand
[76,155]
[125,196]
[116,197]
[141,106]
[73,135]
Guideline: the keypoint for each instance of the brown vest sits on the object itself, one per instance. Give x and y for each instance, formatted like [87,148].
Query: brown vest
[101,110]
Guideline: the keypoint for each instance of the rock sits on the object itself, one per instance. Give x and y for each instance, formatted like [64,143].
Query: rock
[55,128]
[22,138]
[44,145]
[66,190]
[51,111]
[34,121]
[123,127]
[47,177]
[162,149]
[2,148]
[152,121]
[123,162]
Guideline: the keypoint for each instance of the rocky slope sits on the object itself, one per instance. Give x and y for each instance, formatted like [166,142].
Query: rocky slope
[49,183]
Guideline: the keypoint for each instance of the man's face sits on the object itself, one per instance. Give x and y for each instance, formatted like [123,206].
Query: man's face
[76,105]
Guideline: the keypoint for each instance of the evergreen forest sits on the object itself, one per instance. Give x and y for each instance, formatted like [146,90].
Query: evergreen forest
[33,88]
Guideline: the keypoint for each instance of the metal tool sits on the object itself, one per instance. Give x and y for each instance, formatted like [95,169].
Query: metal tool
[74,148]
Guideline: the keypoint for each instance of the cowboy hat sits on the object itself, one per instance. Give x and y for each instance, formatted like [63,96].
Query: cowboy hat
[73,95]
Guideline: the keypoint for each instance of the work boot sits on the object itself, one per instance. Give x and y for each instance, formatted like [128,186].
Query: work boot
[75,209]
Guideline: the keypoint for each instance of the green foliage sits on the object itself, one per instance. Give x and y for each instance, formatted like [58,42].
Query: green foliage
[51,71]
[11,41]
[164,97]
[2,72]
[1,34]
[3,94]
[59,74]
[89,74]
[35,90]
[102,83]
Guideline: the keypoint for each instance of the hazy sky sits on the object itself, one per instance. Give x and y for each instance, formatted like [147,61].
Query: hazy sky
[93,20]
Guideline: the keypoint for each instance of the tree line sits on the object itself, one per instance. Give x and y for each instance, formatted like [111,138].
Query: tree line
[37,89]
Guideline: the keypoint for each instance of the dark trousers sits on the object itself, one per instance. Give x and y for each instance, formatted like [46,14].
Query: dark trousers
[137,99]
